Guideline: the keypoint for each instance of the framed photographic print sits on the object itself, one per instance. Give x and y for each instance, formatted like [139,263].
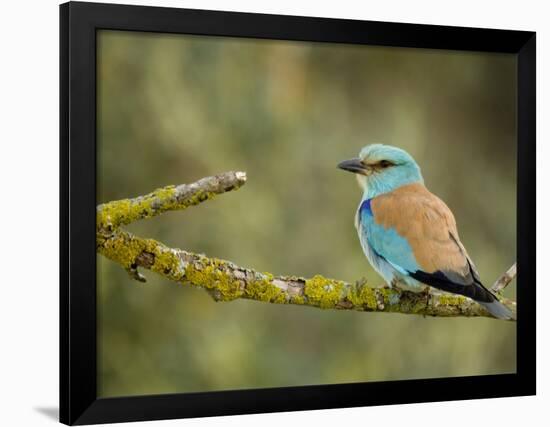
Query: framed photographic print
[358,198]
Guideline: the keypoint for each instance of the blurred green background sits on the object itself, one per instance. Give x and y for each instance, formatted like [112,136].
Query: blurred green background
[173,109]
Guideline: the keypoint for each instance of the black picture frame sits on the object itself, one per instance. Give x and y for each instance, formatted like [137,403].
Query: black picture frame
[79,403]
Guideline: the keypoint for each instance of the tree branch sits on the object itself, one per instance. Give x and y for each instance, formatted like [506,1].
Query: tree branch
[123,212]
[505,279]
[226,281]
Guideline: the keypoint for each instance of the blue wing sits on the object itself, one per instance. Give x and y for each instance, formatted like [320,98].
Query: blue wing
[384,242]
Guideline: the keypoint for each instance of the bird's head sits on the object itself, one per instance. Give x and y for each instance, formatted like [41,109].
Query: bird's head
[382,168]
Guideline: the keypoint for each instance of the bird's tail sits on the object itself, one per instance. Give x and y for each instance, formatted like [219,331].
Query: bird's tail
[497,309]
[475,291]
[487,299]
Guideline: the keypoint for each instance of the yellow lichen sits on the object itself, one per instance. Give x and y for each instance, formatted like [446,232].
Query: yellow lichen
[263,289]
[363,296]
[298,299]
[120,212]
[199,197]
[325,293]
[122,248]
[210,274]
[450,299]
[110,214]
[165,193]
[167,263]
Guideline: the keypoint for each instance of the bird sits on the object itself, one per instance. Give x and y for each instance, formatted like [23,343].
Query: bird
[408,234]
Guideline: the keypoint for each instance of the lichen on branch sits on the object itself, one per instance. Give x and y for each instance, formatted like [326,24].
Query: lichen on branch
[112,215]
[226,281]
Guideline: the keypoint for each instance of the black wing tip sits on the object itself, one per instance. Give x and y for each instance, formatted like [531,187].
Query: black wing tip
[475,291]
[440,280]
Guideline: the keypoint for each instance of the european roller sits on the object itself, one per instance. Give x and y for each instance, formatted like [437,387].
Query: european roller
[408,234]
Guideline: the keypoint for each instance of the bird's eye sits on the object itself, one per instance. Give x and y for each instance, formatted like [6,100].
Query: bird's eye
[385,163]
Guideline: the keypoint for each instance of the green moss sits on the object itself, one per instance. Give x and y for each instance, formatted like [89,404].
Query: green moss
[325,293]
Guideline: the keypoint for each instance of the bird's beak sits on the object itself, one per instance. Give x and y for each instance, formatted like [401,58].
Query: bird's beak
[353,165]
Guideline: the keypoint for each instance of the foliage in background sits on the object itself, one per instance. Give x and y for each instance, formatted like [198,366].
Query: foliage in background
[172,109]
